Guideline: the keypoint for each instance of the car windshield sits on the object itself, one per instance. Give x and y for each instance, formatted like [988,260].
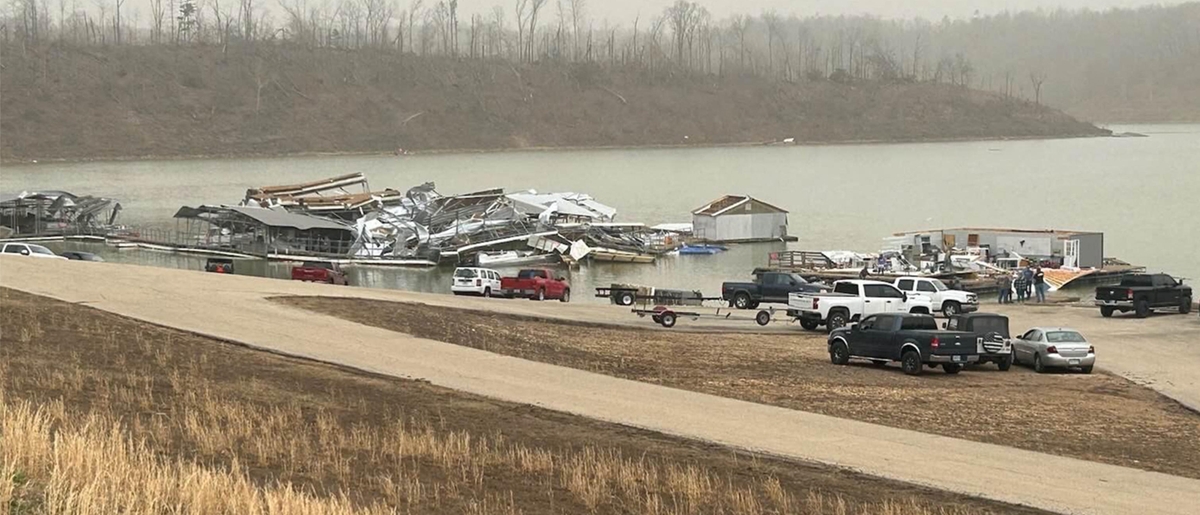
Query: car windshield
[38,249]
[939,285]
[1064,337]
[465,272]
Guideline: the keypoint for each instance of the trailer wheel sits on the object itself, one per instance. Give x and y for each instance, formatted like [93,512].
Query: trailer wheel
[667,319]
[763,317]
[625,299]
[810,324]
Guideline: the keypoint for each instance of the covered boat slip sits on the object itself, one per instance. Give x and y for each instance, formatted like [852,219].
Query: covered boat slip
[56,213]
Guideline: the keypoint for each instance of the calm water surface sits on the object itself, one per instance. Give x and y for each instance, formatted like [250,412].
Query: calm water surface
[1143,193]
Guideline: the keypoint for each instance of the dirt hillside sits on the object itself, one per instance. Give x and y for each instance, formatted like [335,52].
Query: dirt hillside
[143,101]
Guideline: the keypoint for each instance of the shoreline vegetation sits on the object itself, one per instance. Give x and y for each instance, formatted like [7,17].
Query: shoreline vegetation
[465,151]
[70,103]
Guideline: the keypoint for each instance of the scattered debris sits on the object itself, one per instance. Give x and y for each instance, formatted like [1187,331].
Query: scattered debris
[56,213]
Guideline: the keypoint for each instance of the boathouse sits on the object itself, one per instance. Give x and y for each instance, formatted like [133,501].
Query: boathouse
[1080,249]
[740,218]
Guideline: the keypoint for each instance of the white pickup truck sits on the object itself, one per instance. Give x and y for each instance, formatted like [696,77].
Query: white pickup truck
[948,302]
[852,301]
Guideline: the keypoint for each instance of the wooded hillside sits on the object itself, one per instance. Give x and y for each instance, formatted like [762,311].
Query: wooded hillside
[64,101]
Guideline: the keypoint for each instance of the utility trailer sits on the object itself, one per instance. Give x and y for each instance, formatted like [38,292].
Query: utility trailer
[666,316]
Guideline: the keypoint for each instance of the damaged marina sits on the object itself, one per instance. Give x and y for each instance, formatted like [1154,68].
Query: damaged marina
[342,219]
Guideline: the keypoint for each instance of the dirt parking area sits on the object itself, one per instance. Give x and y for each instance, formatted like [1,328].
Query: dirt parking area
[385,444]
[1097,417]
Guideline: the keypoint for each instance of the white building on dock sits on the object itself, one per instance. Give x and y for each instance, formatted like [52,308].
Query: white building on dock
[740,219]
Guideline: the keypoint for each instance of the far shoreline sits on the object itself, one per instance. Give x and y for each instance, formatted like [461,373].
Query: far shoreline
[541,149]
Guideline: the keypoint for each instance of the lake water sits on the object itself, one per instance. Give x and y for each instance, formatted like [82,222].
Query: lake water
[1143,193]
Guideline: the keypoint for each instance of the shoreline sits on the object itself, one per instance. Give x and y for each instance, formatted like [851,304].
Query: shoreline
[571,148]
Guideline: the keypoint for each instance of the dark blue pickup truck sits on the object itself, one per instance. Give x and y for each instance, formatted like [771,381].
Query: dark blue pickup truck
[767,287]
[913,340]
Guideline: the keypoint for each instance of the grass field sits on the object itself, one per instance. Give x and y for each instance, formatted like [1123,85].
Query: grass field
[1097,417]
[102,414]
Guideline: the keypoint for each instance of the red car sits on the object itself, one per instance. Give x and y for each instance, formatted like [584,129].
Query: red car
[321,272]
[536,284]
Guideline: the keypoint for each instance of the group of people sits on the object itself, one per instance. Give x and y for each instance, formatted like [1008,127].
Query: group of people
[1024,282]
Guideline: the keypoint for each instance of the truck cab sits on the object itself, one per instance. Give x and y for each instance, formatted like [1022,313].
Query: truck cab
[767,287]
[945,300]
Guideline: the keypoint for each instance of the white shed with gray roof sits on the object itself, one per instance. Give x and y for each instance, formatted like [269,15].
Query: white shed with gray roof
[740,218]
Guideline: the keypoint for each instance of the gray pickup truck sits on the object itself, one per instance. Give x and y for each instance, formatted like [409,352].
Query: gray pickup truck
[913,340]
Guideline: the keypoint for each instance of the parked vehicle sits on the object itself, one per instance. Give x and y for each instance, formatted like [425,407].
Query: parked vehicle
[913,340]
[74,255]
[945,300]
[1143,293]
[853,300]
[320,272]
[990,334]
[219,265]
[475,281]
[1054,348]
[770,287]
[536,284]
[30,250]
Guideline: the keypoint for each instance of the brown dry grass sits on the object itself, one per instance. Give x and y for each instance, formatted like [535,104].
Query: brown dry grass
[1096,417]
[101,414]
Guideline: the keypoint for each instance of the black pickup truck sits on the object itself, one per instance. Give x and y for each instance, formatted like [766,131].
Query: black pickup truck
[769,287]
[1143,293]
[990,333]
[913,340]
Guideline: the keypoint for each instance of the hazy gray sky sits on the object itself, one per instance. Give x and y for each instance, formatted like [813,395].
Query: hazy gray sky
[623,10]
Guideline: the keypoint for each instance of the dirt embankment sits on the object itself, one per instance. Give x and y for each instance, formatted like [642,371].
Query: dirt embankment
[206,427]
[1095,417]
[145,101]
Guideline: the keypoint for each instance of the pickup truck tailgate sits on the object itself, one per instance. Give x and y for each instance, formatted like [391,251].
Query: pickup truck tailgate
[1113,293]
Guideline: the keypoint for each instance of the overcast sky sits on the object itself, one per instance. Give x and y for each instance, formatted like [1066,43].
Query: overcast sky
[625,10]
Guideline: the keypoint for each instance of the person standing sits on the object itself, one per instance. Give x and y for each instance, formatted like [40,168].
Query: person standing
[1022,286]
[1039,284]
[1004,284]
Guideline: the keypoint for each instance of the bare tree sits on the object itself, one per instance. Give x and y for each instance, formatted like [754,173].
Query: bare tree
[684,17]
[1036,79]
[519,9]
[534,7]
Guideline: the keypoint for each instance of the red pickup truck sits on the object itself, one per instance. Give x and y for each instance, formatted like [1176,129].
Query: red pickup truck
[536,284]
[321,272]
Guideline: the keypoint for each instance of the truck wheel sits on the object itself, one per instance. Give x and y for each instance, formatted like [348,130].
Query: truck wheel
[837,320]
[741,301]
[951,308]
[541,295]
[1143,308]
[625,299]
[910,362]
[763,317]
[667,319]
[839,354]
[1106,312]
[952,368]
[1037,364]
[566,296]
[1006,363]
[487,292]
[1185,305]
[810,324]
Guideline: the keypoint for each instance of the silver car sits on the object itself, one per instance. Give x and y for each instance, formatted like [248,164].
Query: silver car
[1054,347]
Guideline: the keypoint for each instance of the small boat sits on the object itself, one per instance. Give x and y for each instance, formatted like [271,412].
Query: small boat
[618,256]
[701,250]
[510,258]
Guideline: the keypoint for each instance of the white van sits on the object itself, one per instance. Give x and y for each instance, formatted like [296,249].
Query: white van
[475,281]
